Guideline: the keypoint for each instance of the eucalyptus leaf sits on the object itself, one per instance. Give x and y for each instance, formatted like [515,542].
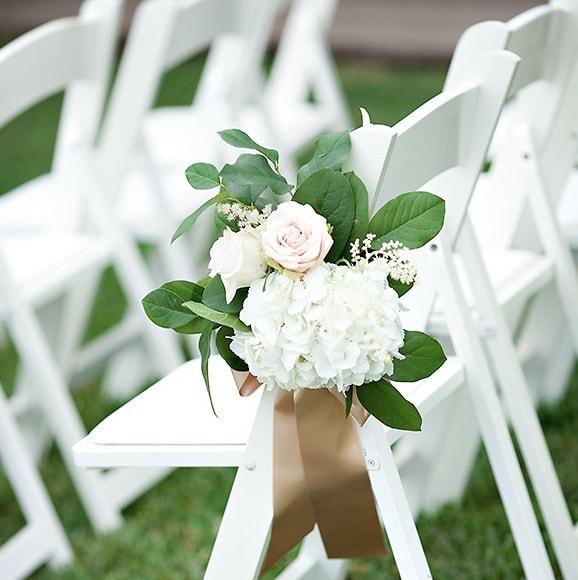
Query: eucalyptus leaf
[423,356]
[223,342]
[203,176]
[190,220]
[220,318]
[186,291]
[165,309]
[389,406]
[412,218]
[205,350]
[328,192]
[361,220]
[214,297]
[250,176]
[330,153]
[240,139]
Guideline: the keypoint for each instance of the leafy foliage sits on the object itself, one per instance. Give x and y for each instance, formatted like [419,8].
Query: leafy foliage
[191,219]
[205,350]
[214,297]
[203,176]
[217,317]
[240,139]
[389,406]
[331,151]
[328,192]
[223,342]
[423,356]
[412,218]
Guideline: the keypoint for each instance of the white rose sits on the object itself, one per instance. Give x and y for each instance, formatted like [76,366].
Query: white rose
[237,257]
[296,237]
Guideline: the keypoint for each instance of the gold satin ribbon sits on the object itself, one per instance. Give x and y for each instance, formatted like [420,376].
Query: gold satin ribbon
[319,475]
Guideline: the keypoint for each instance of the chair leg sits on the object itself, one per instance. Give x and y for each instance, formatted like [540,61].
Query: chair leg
[490,416]
[524,418]
[244,531]
[392,504]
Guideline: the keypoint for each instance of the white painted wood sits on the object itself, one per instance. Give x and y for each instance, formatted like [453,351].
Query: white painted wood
[61,256]
[42,540]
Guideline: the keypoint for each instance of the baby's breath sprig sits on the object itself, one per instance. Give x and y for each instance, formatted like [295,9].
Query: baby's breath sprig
[243,215]
[388,258]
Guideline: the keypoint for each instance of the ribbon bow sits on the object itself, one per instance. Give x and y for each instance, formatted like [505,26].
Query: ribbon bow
[319,475]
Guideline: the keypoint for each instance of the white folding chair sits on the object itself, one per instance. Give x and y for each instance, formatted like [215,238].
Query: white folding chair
[42,539]
[462,118]
[303,96]
[49,260]
[523,178]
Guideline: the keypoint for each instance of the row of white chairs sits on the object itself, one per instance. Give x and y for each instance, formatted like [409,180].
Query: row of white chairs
[117,180]
[492,283]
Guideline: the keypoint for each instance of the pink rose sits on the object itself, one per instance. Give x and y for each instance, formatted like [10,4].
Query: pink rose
[296,237]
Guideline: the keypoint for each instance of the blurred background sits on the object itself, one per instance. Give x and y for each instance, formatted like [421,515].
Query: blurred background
[391,56]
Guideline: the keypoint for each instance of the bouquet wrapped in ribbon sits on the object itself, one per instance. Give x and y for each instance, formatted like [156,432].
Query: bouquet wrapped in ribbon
[304,295]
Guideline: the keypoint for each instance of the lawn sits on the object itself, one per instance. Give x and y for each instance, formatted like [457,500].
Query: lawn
[169,532]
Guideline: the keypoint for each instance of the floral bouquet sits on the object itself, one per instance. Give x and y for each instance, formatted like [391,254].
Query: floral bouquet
[304,296]
[304,289]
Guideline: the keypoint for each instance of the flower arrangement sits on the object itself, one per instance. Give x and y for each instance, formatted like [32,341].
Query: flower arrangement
[304,288]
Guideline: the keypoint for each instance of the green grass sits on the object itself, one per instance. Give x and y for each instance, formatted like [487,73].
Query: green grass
[169,532]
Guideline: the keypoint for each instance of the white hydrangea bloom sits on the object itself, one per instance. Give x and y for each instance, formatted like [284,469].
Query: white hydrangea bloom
[336,326]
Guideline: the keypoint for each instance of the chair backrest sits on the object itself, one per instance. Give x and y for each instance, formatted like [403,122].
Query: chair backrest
[543,96]
[71,54]
[180,29]
[439,148]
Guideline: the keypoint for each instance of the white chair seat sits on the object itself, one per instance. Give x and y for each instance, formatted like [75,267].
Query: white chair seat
[42,203]
[516,275]
[171,423]
[43,263]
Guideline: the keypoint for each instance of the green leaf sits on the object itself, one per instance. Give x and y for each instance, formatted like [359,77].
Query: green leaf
[205,350]
[399,287]
[329,194]
[330,152]
[361,220]
[348,401]
[214,297]
[185,290]
[412,218]
[165,309]
[203,176]
[223,342]
[217,317]
[423,356]
[240,139]
[249,176]
[190,220]
[389,406]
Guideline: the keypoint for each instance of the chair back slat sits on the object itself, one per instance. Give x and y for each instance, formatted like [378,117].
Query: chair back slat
[529,36]
[51,57]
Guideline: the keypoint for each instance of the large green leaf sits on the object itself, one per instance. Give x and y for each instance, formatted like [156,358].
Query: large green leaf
[223,342]
[214,297]
[221,318]
[412,218]
[328,192]
[165,309]
[190,220]
[389,406]
[205,350]
[361,220]
[423,356]
[203,176]
[398,286]
[330,152]
[250,176]
[240,139]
